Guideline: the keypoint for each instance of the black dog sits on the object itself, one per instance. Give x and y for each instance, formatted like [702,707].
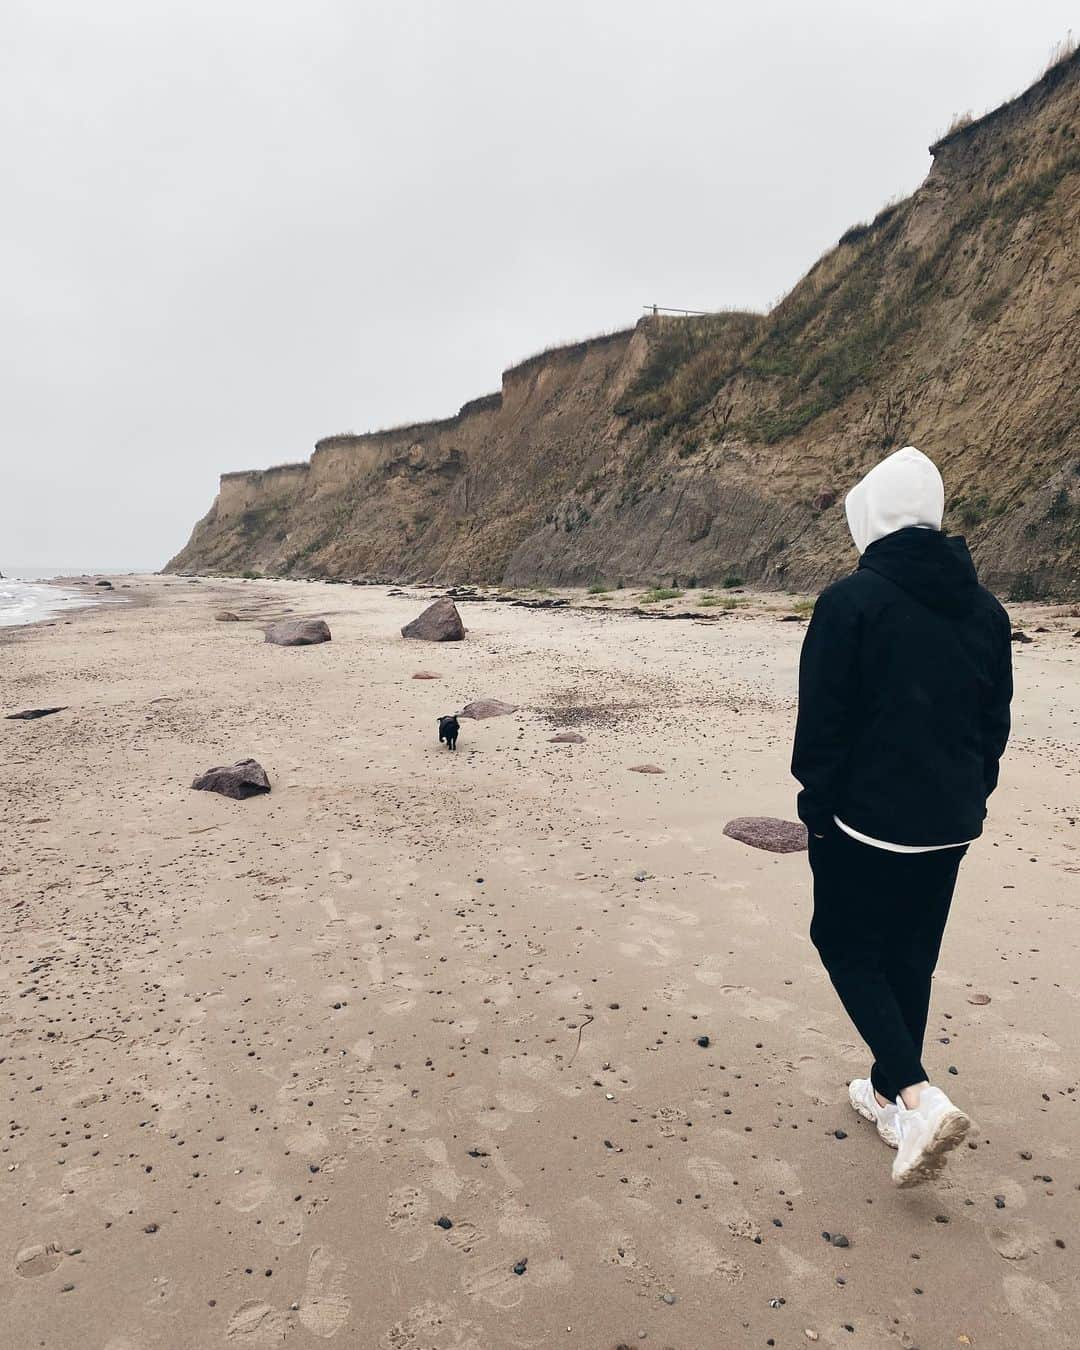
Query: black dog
[448,730]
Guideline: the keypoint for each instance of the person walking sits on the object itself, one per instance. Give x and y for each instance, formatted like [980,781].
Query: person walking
[905,681]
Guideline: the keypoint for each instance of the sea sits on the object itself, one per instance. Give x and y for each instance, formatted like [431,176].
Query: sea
[27,595]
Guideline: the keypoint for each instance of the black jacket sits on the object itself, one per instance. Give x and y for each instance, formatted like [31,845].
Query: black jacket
[904,689]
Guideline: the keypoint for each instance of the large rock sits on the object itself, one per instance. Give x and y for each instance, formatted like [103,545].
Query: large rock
[31,714]
[486,707]
[245,778]
[768,832]
[298,632]
[440,622]
[227,616]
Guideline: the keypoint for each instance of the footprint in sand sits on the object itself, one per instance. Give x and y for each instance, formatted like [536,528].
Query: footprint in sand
[497,1285]
[465,1237]
[515,1222]
[440,1175]
[37,1258]
[697,1256]
[1016,1240]
[258,1324]
[431,1324]
[1034,1302]
[324,1307]
[710,1175]
[403,1208]
[746,1002]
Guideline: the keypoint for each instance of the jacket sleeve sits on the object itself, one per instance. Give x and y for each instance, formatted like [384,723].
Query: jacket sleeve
[828,690]
[996,718]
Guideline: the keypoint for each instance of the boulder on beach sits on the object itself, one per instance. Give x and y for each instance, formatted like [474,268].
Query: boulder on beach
[486,707]
[646,768]
[567,738]
[298,632]
[31,714]
[227,616]
[440,622]
[245,778]
[107,584]
[426,675]
[768,832]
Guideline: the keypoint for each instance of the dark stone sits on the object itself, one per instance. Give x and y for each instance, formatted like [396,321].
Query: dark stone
[790,618]
[519,1266]
[486,707]
[440,622]
[227,616]
[839,1240]
[444,1222]
[298,632]
[768,832]
[552,602]
[107,585]
[703,1041]
[245,778]
[1019,636]
[31,714]
[824,500]
[840,1134]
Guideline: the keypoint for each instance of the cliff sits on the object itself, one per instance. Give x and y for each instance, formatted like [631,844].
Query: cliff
[695,449]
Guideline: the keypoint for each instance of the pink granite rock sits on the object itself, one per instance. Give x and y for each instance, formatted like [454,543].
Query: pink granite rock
[768,832]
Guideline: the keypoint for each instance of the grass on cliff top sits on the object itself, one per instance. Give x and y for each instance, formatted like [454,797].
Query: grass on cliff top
[688,360]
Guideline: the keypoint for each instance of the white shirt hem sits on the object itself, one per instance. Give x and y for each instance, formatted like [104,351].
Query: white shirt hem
[897,848]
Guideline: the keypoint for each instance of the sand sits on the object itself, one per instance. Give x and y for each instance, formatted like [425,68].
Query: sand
[252,1051]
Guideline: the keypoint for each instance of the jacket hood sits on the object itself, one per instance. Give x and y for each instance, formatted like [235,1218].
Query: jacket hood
[904,489]
[933,567]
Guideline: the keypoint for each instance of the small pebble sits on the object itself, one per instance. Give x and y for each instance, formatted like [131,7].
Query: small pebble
[444,1222]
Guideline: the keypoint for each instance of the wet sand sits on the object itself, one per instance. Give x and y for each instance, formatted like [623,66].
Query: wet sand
[253,1051]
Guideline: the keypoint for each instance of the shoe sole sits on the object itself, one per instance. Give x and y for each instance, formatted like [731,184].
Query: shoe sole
[867,1114]
[949,1131]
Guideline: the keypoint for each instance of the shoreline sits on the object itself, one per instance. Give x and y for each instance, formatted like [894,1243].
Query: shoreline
[291,1034]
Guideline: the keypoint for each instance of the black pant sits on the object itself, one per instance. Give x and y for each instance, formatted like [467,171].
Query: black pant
[878,922]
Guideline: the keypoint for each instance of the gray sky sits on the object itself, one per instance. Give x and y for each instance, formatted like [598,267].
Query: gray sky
[231,228]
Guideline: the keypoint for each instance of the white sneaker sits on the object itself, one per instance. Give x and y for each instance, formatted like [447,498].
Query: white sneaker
[927,1134]
[861,1096]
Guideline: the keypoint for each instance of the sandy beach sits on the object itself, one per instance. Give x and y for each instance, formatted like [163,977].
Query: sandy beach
[252,1052]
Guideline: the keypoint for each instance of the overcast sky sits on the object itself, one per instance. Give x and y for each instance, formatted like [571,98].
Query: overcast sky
[229,229]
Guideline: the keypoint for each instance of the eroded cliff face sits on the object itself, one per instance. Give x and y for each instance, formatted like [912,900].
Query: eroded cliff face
[704,448]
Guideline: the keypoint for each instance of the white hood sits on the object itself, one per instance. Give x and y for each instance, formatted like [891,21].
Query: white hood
[904,489]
